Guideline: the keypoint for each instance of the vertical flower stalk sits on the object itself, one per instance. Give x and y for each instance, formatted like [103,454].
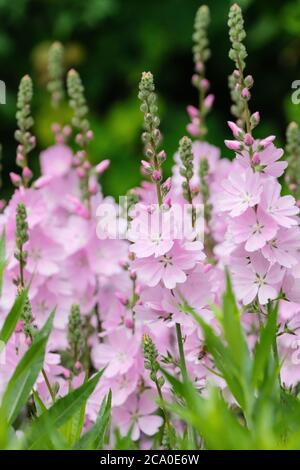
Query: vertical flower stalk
[21,254]
[151,364]
[26,140]
[75,337]
[55,73]
[201,52]
[151,135]
[207,207]
[84,134]
[292,176]
[21,238]
[239,84]
[187,171]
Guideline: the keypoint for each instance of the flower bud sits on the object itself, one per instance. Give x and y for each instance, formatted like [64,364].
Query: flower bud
[15,179]
[248,140]
[236,130]
[156,175]
[245,94]
[256,158]
[233,145]
[102,166]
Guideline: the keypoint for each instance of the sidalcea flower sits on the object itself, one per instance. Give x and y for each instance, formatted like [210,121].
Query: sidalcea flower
[171,267]
[267,156]
[138,415]
[56,160]
[281,208]
[253,227]
[241,191]
[257,278]
[118,355]
[284,247]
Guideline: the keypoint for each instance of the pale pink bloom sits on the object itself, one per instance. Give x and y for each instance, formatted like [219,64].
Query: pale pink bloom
[291,287]
[253,227]
[241,191]
[118,355]
[284,247]
[44,254]
[42,181]
[268,157]
[105,255]
[152,232]
[56,160]
[258,278]
[281,208]
[138,414]
[35,207]
[78,207]
[170,268]
[77,268]
[121,386]
[10,356]
[197,292]
[288,309]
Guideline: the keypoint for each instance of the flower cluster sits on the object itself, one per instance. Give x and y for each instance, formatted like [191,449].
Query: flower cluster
[120,303]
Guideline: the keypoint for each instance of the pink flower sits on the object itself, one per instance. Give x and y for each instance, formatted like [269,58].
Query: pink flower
[56,160]
[284,247]
[253,227]
[117,355]
[268,157]
[152,232]
[242,190]
[281,208]
[137,414]
[44,254]
[258,278]
[171,267]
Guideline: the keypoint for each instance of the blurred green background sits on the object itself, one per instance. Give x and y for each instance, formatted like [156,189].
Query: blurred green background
[111,42]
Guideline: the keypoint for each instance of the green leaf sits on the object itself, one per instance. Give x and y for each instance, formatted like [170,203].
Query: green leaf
[221,355]
[13,316]
[94,438]
[233,331]
[39,405]
[3,261]
[72,429]
[210,416]
[26,373]
[60,412]
[213,420]
[264,345]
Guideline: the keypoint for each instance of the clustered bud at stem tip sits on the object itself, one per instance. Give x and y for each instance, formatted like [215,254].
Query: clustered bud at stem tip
[197,127]
[151,136]
[26,141]
[238,84]
[55,72]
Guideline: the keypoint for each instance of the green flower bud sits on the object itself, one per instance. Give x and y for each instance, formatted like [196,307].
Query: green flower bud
[55,72]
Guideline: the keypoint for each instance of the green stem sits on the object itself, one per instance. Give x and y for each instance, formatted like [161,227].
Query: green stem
[181,352]
[190,430]
[48,385]
[164,411]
